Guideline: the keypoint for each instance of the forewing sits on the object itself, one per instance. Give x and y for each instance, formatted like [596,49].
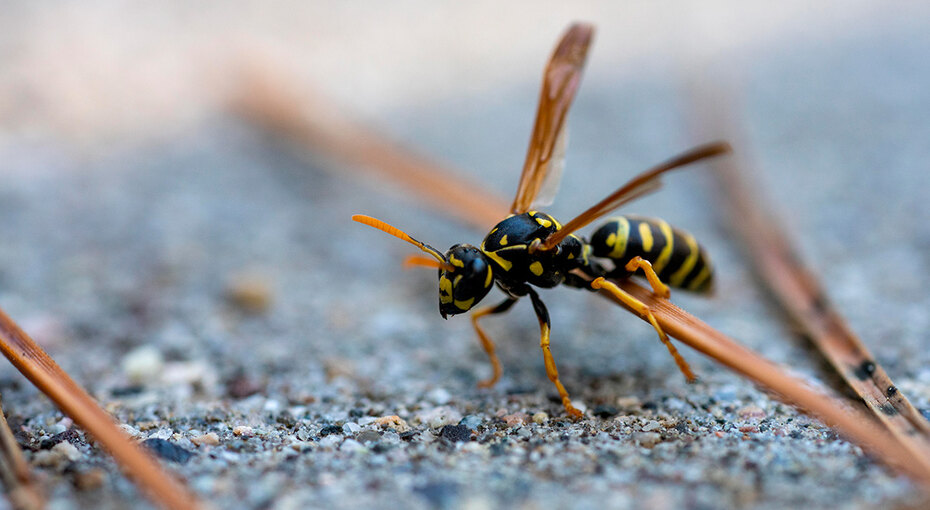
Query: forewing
[560,83]
[553,172]
[641,185]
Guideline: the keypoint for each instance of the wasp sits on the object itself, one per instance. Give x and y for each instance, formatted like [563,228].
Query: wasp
[530,249]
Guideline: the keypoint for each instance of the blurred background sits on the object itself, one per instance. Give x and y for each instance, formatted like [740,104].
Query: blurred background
[148,222]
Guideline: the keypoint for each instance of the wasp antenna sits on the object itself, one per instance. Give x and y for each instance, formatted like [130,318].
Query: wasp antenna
[398,233]
[417,260]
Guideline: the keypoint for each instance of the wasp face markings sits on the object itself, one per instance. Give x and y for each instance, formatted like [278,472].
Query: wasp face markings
[467,283]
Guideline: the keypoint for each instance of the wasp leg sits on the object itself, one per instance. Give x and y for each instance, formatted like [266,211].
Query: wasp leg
[543,315]
[486,342]
[658,288]
[643,310]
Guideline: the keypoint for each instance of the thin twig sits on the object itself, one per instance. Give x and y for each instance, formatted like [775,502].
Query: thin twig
[796,289]
[51,380]
[21,489]
[292,122]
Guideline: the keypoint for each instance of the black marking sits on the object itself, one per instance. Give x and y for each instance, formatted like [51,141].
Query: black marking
[889,409]
[891,391]
[865,370]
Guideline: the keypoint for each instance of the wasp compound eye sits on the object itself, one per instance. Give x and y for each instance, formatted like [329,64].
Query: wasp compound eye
[467,284]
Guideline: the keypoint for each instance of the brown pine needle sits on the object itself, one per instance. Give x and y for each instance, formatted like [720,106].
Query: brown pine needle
[51,380]
[797,290]
[267,99]
[21,489]
[275,107]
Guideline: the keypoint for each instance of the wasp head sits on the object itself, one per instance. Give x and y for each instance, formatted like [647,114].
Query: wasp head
[468,281]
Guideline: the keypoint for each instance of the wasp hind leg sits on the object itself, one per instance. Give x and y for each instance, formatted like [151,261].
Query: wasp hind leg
[658,288]
[543,315]
[486,341]
[643,310]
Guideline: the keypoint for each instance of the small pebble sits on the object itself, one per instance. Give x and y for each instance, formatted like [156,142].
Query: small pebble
[647,439]
[455,433]
[651,425]
[90,479]
[393,421]
[143,364]
[751,411]
[439,416]
[350,428]
[330,429]
[628,402]
[243,431]
[605,411]
[352,446]
[515,419]
[249,292]
[439,396]
[540,418]
[168,450]
[368,436]
[68,435]
[210,439]
[60,454]
[67,450]
[130,430]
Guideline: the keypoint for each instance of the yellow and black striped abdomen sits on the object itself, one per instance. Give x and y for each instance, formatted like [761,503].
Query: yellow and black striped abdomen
[675,255]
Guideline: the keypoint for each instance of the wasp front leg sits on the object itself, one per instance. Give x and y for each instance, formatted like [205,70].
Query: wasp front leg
[643,310]
[543,315]
[486,342]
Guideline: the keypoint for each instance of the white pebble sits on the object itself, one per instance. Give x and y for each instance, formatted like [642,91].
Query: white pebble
[143,364]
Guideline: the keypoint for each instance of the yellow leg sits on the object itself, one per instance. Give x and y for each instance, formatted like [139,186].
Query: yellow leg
[658,288]
[543,315]
[643,310]
[486,341]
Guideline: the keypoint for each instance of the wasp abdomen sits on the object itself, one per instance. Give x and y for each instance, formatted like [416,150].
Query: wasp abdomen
[675,255]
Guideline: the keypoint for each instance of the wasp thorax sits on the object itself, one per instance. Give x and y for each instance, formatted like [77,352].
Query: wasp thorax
[467,284]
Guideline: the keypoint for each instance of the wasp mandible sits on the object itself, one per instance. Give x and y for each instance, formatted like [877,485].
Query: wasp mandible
[531,249]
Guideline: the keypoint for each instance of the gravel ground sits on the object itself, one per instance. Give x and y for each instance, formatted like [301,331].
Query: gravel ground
[210,290]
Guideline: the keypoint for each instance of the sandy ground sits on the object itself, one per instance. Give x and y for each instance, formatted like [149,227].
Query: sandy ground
[207,286]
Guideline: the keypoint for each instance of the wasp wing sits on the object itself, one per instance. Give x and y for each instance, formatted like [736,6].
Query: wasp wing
[553,172]
[641,185]
[560,83]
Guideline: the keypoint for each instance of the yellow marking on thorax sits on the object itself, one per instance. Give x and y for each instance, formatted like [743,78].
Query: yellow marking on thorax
[543,222]
[536,268]
[505,264]
[488,279]
[686,267]
[666,254]
[464,305]
[700,278]
[619,239]
[504,240]
[646,234]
